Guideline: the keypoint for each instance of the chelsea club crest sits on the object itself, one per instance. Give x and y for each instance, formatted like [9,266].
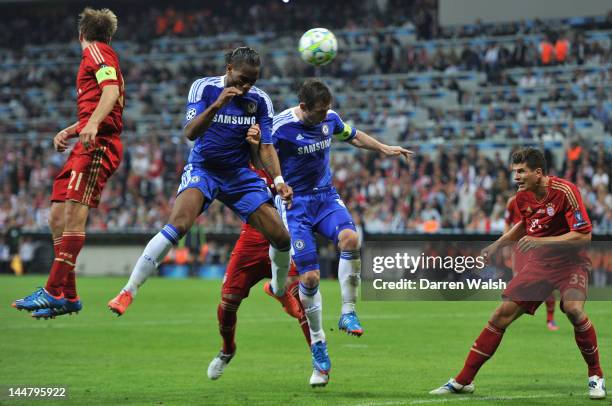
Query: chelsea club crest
[325,129]
[251,107]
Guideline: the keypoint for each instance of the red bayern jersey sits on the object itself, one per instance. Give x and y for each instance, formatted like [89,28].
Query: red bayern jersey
[559,212]
[99,68]
[513,214]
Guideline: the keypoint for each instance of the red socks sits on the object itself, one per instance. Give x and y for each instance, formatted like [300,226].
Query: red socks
[483,349]
[586,339]
[226,314]
[65,258]
[69,287]
[550,308]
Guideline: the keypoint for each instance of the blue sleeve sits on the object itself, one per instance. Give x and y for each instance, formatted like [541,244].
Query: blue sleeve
[193,110]
[342,131]
[196,101]
[265,113]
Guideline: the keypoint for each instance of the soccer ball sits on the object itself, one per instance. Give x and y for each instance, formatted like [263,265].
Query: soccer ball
[318,46]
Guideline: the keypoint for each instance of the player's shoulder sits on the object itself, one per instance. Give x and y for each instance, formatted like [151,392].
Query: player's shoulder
[560,182]
[261,95]
[254,90]
[511,202]
[100,53]
[566,189]
[521,198]
[332,115]
[283,118]
[198,86]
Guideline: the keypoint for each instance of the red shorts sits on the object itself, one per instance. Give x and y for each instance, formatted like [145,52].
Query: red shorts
[86,172]
[533,284]
[248,264]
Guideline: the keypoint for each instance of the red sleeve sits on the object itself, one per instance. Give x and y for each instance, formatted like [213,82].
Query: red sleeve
[575,212]
[104,64]
[513,214]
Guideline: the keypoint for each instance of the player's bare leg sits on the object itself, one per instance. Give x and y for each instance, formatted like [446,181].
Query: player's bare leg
[186,209]
[483,349]
[586,339]
[349,276]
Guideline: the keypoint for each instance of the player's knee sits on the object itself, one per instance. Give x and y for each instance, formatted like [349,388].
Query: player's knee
[182,224]
[55,221]
[574,311]
[349,240]
[310,279]
[231,297]
[75,216]
[280,239]
[504,315]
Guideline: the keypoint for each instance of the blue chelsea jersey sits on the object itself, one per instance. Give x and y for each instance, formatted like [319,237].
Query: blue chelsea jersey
[223,144]
[304,150]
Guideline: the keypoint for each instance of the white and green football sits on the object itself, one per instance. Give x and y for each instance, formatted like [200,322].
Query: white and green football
[318,46]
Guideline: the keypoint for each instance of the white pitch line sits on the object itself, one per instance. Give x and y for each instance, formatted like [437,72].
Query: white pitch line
[453,398]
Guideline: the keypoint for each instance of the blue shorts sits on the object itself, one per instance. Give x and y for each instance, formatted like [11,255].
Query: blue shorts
[240,189]
[323,212]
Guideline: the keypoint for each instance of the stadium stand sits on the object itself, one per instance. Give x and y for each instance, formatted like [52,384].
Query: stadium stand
[462,97]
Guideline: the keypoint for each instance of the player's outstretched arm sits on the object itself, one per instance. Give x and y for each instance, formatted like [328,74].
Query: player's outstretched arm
[269,159]
[572,239]
[202,121]
[365,141]
[110,95]
[514,234]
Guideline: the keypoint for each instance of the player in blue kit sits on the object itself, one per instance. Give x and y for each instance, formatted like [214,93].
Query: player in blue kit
[221,112]
[303,137]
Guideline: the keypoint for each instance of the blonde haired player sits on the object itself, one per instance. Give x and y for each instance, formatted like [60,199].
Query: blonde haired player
[93,160]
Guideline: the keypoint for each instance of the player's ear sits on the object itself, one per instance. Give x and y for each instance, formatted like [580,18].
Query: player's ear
[303,106]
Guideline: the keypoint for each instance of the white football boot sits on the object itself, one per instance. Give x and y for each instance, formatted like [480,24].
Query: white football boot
[452,387]
[597,387]
[218,364]
[318,379]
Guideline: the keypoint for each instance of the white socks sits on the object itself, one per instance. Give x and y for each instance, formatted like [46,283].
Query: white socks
[313,305]
[153,254]
[349,276]
[281,260]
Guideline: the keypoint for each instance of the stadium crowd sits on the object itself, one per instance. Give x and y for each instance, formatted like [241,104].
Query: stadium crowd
[536,81]
[452,189]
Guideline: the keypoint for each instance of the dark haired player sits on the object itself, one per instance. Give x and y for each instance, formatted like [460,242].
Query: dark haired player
[553,227]
[220,111]
[303,136]
[513,216]
[92,161]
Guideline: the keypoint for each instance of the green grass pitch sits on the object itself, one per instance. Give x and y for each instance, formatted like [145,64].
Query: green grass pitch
[157,353]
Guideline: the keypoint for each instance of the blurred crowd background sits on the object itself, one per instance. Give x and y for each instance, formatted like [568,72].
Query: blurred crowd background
[462,97]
